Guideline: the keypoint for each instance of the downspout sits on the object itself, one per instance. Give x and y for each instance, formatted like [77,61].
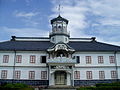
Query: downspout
[48,74]
[116,67]
[14,66]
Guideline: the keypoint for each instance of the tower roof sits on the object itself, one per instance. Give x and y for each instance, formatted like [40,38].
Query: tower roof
[59,18]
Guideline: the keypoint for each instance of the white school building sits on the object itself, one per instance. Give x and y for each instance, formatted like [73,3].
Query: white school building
[58,59]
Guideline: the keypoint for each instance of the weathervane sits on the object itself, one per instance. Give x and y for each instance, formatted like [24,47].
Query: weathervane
[59,9]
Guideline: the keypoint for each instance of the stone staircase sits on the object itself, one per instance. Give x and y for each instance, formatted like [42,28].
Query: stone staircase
[61,87]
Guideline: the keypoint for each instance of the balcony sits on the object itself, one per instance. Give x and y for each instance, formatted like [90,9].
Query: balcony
[59,32]
[63,60]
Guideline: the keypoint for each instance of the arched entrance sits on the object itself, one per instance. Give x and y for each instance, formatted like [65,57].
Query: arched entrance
[60,78]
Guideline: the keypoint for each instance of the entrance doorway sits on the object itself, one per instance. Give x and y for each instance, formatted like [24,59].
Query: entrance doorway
[60,78]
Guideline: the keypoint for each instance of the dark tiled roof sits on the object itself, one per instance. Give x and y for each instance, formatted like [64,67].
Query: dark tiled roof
[44,45]
[59,18]
[25,45]
[93,46]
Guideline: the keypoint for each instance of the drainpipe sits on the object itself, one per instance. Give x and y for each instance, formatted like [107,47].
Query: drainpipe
[14,66]
[72,76]
[48,74]
[116,65]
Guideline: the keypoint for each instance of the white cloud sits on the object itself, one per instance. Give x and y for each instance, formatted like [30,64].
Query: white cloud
[28,2]
[86,15]
[25,32]
[25,14]
[29,18]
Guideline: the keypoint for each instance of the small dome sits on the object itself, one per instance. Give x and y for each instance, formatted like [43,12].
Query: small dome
[59,18]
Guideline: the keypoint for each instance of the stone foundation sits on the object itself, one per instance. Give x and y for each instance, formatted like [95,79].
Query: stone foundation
[92,82]
[28,82]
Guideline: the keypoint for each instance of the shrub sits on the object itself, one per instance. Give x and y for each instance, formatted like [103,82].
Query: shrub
[108,84]
[16,85]
[20,85]
[9,85]
[107,87]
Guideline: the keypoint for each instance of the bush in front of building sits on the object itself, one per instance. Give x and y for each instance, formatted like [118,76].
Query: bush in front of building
[107,88]
[103,86]
[16,86]
[108,84]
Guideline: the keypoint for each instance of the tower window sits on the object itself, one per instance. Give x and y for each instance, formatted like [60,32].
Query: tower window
[52,39]
[43,59]
[66,39]
[59,26]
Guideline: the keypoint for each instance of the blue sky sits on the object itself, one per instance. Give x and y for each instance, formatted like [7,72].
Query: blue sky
[87,18]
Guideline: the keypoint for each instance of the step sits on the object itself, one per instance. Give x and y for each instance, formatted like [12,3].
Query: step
[59,89]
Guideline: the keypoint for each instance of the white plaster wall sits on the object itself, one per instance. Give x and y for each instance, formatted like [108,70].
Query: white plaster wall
[9,72]
[94,56]
[24,72]
[25,58]
[11,58]
[59,38]
[68,79]
[95,72]
[52,79]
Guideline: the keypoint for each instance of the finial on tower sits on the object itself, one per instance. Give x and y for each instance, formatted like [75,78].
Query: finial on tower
[59,9]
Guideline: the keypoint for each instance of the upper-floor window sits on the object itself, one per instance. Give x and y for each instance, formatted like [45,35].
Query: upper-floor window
[77,74]
[17,74]
[32,58]
[52,39]
[112,59]
[88,59]
[4,74]
[5,58]
[43,59]
[100,59]
[78,59]
[113,74]
[101,75]
[43,74]
[89,74]
[31,74]
[18,58]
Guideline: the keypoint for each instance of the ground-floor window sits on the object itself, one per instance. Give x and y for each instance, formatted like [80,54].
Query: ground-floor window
[89,74]
[43,74]
[77,74]
[4,74]
[113,74]
[101,75]
[31,74]
[17,74]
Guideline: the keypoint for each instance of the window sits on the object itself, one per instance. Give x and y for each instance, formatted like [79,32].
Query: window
[18,58]
[77,74]
[113,74]
[88,60]
[32,58]
[31,74]
[89,74]
[66,39]
[5,58]
[112,59]
[78,59]
[43,59]
[4,74]
[101,75]
[53,39]
[100,59]
[17,74]
[43,74]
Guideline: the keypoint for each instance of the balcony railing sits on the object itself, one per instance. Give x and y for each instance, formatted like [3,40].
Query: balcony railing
[61,60]
[60,32]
